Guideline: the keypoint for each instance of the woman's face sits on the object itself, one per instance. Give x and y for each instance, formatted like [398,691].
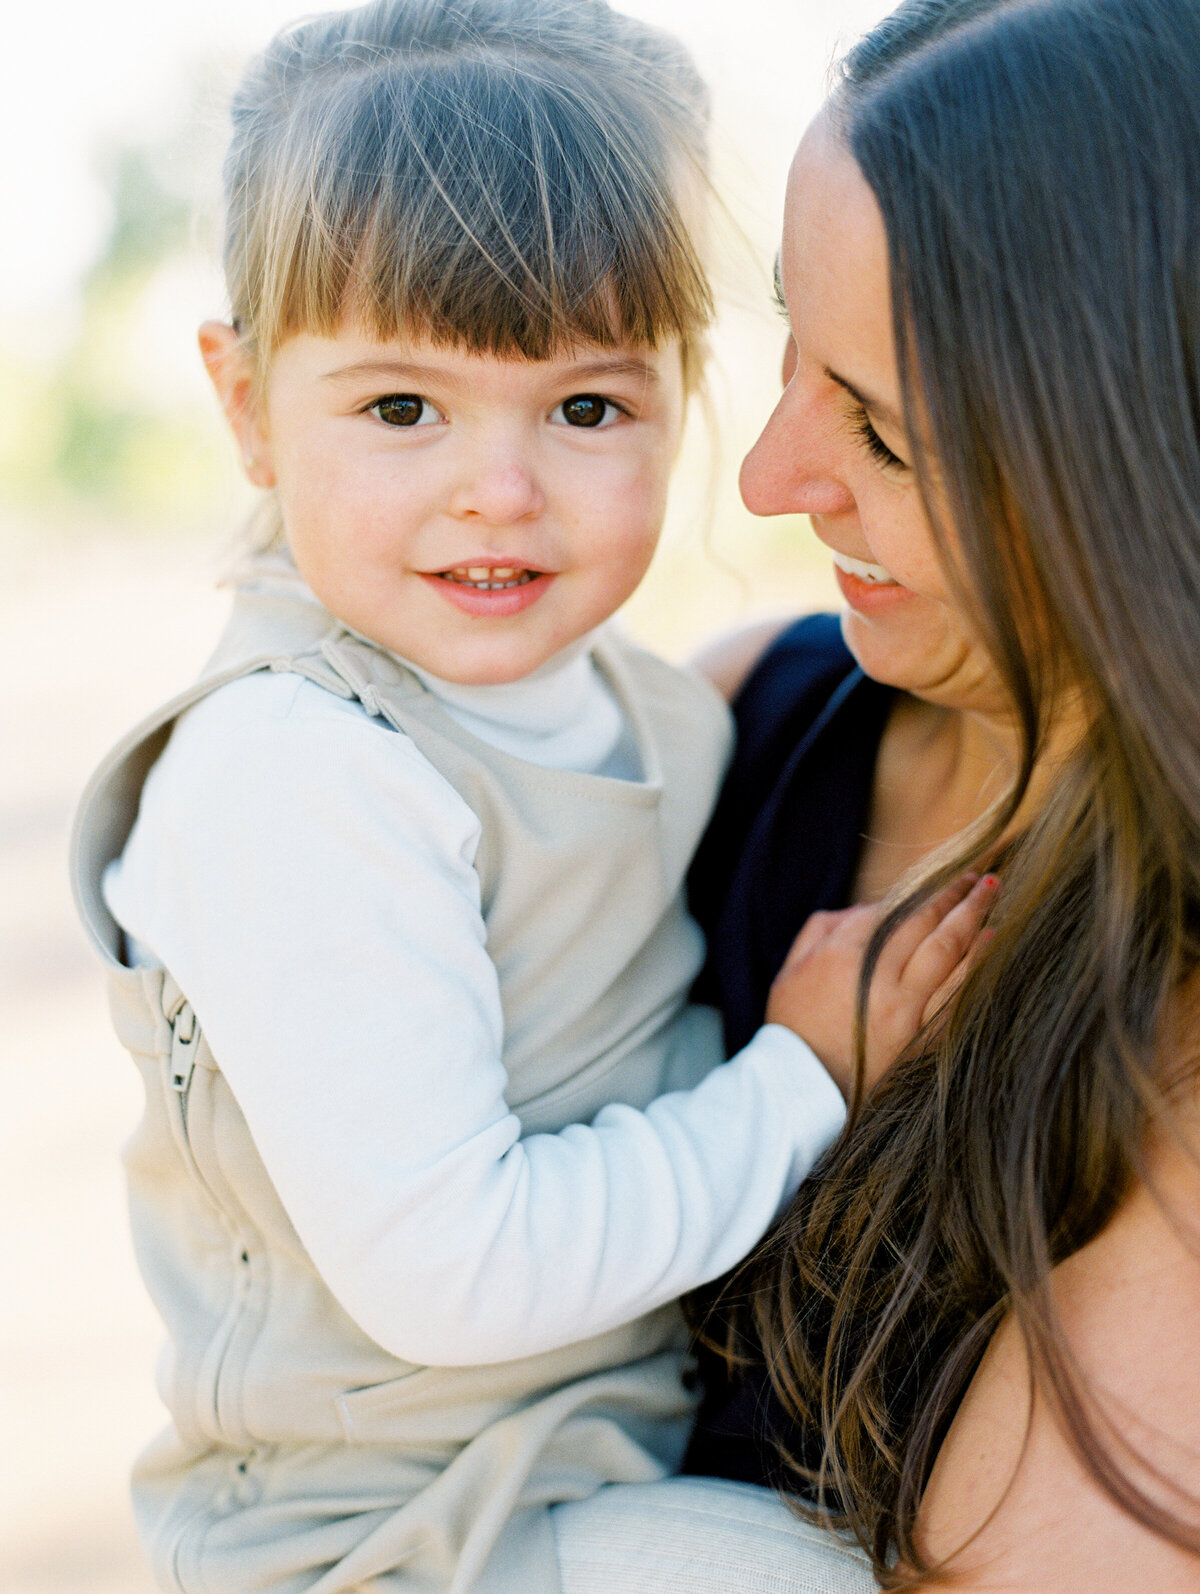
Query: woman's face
[837,447]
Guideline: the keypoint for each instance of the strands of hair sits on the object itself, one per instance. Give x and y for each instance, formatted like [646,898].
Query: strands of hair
[1036,163]
[506,175]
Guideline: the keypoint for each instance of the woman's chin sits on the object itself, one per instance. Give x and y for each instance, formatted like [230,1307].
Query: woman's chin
[911,649]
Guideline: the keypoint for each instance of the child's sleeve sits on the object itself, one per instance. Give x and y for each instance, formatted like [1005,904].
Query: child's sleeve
[308,878]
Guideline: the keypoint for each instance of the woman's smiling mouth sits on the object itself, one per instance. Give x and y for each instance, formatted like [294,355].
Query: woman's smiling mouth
[877,575]
[870,589]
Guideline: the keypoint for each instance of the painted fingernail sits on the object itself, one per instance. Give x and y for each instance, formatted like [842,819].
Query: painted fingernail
[991,881]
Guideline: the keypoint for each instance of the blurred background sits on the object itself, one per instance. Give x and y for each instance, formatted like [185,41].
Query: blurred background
[118,506]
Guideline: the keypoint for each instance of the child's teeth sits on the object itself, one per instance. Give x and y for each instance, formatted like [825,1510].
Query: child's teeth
[488,577]
[863,570]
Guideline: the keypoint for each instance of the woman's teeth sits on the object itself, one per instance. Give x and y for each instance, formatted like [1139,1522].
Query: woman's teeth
[864,571]
[488,578]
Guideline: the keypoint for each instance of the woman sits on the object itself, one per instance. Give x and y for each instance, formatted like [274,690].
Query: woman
[991,267]
[980,1321]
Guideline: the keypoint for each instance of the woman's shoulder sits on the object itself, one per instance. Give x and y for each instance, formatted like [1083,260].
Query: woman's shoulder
[808,729]
[733,659]
[777,674]
[804,663]
[807,642]
[1127,1304]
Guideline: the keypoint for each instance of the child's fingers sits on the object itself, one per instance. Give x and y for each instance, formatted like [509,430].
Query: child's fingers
[818,927]
[936,959]
[957,975]
[910,933]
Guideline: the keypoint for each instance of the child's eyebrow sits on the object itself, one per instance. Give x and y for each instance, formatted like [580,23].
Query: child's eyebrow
[619,365]
[641,370]
[397,370]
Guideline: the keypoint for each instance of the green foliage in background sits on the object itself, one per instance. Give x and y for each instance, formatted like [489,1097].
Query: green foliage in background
[105,433]
[104,426]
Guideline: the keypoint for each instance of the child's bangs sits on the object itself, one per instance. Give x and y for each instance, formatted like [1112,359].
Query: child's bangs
[481,203]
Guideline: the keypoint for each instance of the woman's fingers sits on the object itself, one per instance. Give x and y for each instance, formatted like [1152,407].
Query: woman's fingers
[947,943]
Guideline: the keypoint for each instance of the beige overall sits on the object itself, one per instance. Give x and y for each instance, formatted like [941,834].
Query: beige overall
[301,1455]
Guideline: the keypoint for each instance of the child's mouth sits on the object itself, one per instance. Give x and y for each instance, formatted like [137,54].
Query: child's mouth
[488,578]
[497,592]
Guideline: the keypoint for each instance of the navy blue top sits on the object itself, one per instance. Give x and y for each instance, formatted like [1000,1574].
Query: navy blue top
[783,842]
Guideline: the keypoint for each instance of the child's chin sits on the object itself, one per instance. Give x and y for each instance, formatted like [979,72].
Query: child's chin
[493,662]
[493,672]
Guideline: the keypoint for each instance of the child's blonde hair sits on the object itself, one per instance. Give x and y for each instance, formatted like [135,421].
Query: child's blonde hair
[503,175]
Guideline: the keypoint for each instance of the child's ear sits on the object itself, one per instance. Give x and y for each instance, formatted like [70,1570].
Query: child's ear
[231,372]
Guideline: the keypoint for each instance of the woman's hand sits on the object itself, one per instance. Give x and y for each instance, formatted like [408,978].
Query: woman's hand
[815,993]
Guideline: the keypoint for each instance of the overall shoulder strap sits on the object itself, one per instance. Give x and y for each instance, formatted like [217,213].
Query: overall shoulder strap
[266,631]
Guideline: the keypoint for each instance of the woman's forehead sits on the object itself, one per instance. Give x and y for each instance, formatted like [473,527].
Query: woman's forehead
[834,262]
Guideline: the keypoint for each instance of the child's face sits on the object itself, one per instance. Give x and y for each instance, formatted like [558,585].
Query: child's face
[474,514]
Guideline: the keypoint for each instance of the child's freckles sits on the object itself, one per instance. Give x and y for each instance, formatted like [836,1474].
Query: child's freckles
[548,466]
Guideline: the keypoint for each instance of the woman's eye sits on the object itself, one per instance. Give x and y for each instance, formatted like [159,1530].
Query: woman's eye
[586,409]
[405,409]
[875,444]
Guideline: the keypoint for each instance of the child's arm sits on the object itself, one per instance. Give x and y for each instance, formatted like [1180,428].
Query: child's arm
[307,877]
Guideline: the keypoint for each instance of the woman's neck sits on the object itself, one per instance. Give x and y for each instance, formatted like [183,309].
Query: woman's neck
[940,771]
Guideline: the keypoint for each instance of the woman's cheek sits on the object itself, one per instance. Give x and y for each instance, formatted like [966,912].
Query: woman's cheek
[903,543]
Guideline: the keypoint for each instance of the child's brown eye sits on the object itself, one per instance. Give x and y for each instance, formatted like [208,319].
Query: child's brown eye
[586,409]
[404,409]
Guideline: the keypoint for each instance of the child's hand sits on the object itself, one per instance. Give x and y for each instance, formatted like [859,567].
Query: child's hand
[924,959]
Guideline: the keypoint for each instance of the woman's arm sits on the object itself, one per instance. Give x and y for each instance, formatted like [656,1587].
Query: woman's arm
[1130,1308]
[728,659]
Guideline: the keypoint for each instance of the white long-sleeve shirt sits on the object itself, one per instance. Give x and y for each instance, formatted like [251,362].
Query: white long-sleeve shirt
[278,807]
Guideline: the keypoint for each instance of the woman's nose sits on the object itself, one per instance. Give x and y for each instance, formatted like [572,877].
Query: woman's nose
[497,486]
[790,471]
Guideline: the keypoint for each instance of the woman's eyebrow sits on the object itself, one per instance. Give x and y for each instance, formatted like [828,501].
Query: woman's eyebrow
[873,406]
[777,288]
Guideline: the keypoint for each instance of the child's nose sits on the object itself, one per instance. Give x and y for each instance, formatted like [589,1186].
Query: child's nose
[498,488]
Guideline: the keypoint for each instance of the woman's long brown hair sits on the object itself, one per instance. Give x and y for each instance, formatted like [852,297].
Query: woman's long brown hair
[1037,164]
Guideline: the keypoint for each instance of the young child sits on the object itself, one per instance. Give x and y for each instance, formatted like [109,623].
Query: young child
[391,898]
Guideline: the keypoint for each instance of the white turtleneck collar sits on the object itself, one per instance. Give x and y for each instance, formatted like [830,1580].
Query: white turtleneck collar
[563,716]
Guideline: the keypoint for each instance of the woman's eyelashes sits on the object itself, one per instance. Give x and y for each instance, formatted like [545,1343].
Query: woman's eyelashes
[405,409]
[875,444]
[588,410]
